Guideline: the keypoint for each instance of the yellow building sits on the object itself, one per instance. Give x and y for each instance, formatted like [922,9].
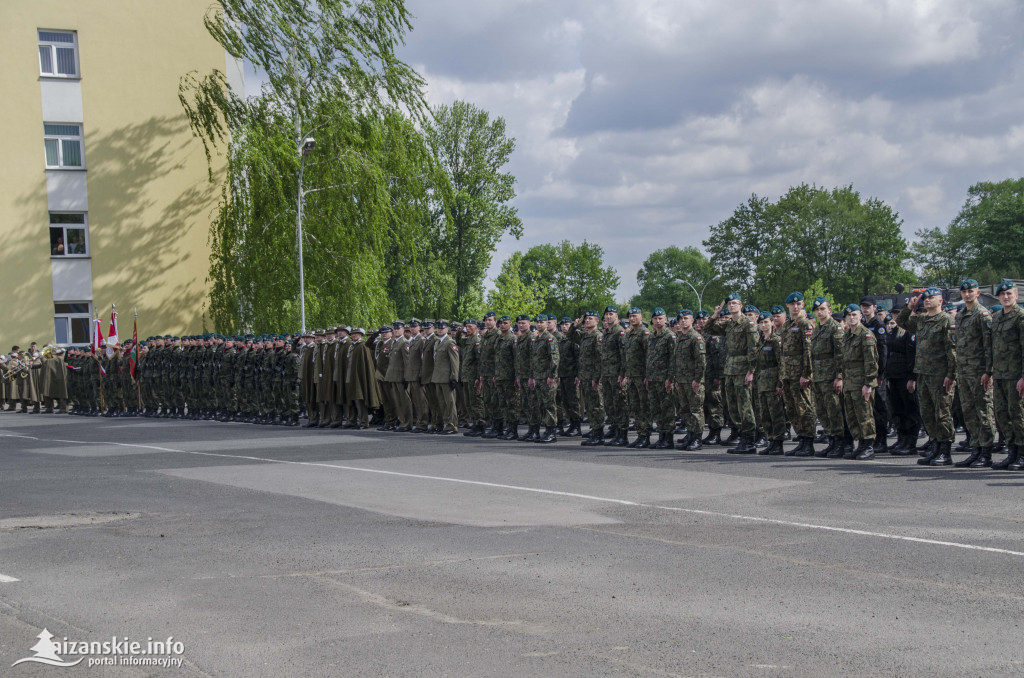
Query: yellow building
[104,193]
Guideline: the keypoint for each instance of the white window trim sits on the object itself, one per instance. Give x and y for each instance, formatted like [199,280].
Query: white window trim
[84,226]
[80,137]
[68,316]
[53,54]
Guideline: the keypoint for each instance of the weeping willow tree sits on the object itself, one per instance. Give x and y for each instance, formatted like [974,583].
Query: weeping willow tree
[369,192]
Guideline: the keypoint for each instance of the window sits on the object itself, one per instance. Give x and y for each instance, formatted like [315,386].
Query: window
[63,145]
[71,322]
[58,54]
[68,235]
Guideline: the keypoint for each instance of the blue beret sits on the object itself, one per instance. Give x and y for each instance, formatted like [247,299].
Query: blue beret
[490,314]
[686,311]
[995,308]
[657,311]
[750,308]
[969,284]
[948,306]
[522,316]
[732,297]
[724,313]
[703,314]
[933,292]
[504,319]
[470,321]
[566,319]
[634,309]
[1005,285]
[778,309]
[818,301]
[850,309]
[764,315]
[795,296]
[541,318]
[611,309]
[588,314]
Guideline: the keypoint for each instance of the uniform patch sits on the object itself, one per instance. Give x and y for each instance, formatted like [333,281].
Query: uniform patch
[881,330]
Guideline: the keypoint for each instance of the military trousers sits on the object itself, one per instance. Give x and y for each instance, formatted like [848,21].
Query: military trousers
[662,405]
[507,402]
[799,407]
[638,405]
[829,408]
[474,404]
[860,414]
[977,407]
[401,402]
[881,408]
[568,400]
[461,402]
[936,407]
[591,395]
[489,398]
[387,403]
[446,417]
[771,417]
[1009,410]
[543,399]
[714,409]
[691,406]
[614,401]
[419,404]
[739,401]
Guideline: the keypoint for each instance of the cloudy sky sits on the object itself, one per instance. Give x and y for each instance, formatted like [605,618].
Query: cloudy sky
[640,123]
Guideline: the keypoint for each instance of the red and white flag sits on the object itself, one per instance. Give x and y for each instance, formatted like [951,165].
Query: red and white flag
[112,333]
[97,336]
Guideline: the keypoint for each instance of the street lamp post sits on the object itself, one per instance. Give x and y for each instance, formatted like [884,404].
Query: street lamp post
[305,147]
[700,295]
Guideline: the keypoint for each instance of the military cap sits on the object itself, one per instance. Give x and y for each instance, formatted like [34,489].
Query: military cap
[724,312]
[686,311]
[995,308]
[867,301]
[358,330]
[764,315]
[398,324]
[672,322]
[794,297]
[732,297]
[506,319]
[933,292]
[490,314]
[590,314]
[657,311]
[480,325]
[703,313]
[540,318]
[750,308]
[850,309]
[778,309]
[611,309]
[818,301]
[888,317]
[167,336]
[427,323]
[386,329]
[634,309]
[471,321]
[414,323]
[442,323]
[319,333]
[1005,285]
[969,284]
[522,316]
[566,319]
[533,328]
[948,306]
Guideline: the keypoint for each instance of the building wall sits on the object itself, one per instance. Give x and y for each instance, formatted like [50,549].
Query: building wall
[146,186]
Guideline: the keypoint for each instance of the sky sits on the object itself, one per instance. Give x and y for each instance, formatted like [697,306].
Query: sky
[641,123]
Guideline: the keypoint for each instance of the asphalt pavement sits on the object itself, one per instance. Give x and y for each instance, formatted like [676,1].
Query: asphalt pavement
[303,552]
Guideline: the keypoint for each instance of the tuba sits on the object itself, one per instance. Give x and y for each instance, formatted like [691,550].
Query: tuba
[48,351]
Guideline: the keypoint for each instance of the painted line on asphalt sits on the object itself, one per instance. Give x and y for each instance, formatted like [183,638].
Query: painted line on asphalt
[575,495]
[4,579]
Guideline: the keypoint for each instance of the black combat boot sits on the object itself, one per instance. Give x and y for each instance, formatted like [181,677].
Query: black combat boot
[775,449]
[695,443]
[846,451]
[1012,453]
[1017,465]
[548,436]
[613,432]
[880,445]
[494,431]
[620,439]
[821,439]
[644,441]
[760,439]
[808,449]
[511,432]
[975,456]
[680,428]
[560,429]
[762,451]
[665,442]
[932,453]
[943,458]
[1000,444]
[745,445]
[574,430]
[733,439]
[635,442]
[714,437]
[832,442]
[532,433]
[595,439]
[865,451]
[800,447]
[684,441]
[927,446]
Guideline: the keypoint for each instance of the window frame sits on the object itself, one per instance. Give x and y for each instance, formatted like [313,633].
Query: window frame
[60,139]
[53,45]
[64,227]
[67,317]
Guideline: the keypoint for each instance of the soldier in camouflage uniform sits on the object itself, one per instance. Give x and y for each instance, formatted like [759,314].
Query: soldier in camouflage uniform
[661,344]
[936,372]
[860,379]
[634,369]
[741,345]
[543,382]
[523,402]
[288,392]
[974,368]
[689,363]
[568,391]
[612,393]
[1008,374]
[588,378]
[768,384]
[486,384]
[714,409]
[469,373]
[505,399]
[797,374]
[827,341]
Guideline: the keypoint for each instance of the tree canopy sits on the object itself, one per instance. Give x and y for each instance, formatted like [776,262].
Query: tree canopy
[571,278]
[658,275]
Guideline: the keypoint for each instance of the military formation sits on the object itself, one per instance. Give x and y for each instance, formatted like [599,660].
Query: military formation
[769,376]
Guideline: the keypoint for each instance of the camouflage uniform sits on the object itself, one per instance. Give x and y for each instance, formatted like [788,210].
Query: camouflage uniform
[634,367]
[506,397]
[590,376]
[568,370]
[469,372]
[1007,368]
[771,417]
[973,359]
[827,342]
[524,402]
[860,368]
[741,347]
[488,390]
[688,365]
[714,407]
[936,361]
[544,360]
[797,365]
[613,398]
[658,371]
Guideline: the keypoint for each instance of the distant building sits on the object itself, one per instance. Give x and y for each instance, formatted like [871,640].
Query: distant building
[104,192]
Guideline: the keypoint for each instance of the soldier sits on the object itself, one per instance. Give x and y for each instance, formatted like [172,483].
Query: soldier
[381,359]
[588,378]
[524,401]
[860,377]
[779,317]
[444,379]
[469,375]
[875,323]
[899,370]
[486,384]
[769,385]
[688,365]
[661,343]
[741,345]
[413,367]
[327,383]
[505,398]
[974,369]
[714,410]
[612,393]
[307,377]
[395,381]
[634,368]
[827,341]
[426,374]
[797,374]
[543,381]
[568,391]
[361,386]
[935,368]
[289,391]
[1007,371]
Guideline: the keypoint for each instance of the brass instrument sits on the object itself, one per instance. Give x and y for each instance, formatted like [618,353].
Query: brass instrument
[48,351]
